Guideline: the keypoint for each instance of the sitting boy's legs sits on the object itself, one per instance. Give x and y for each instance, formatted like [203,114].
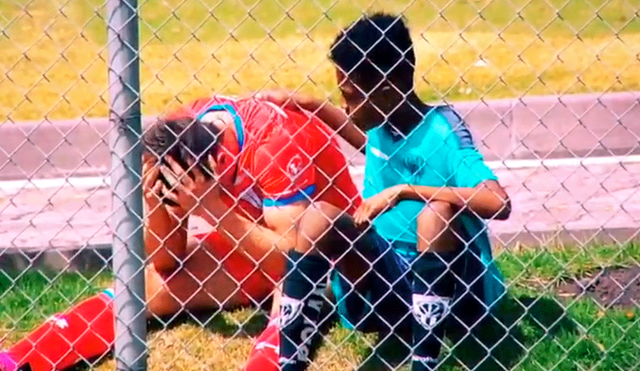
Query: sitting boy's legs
[431,277]
[439,248]
[325,234]
[422,286]
[387,304]
[373,287]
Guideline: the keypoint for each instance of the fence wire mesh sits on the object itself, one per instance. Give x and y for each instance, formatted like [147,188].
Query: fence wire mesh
[544,96]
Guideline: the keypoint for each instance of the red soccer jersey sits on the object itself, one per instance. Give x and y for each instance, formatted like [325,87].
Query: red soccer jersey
[284,156]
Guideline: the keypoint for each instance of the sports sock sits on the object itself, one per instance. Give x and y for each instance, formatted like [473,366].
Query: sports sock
[433,287]
[83,332]
[7,363]
[264,354]
[302,301]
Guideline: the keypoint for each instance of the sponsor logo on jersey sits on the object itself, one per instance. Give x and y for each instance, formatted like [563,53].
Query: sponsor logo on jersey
[294,167]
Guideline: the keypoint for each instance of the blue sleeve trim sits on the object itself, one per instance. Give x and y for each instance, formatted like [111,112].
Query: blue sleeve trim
[303,194]
[236,119]
[458,126]
[109,293]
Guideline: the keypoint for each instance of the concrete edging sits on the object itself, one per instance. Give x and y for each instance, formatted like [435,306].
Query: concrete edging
[96,257]
[533,127]
[522,128]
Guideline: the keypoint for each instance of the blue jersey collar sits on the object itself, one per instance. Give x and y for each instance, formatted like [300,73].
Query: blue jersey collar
[236,119]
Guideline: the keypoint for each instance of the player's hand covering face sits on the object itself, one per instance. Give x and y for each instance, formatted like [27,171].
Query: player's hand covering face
[151,186]
[192,189]
[154,190]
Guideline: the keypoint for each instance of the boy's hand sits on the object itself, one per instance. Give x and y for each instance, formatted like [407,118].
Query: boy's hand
[284,98]
[373,206]
[193,189]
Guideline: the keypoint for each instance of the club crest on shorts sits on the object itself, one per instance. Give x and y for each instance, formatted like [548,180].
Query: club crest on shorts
[295,166]
[290,309]
[429,310]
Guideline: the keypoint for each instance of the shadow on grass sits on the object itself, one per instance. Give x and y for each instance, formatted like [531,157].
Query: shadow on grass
[240,323]
[501,340]
[496,342]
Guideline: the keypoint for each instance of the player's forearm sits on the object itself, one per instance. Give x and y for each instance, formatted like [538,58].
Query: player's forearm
[481,200]
[337,120]
[263,245]
[165,239]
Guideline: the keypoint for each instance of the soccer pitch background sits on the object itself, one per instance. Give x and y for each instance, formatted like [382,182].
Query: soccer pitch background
[54,58]
[53,64]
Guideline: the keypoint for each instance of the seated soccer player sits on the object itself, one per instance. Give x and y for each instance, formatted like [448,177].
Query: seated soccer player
[427,192]
[271,164]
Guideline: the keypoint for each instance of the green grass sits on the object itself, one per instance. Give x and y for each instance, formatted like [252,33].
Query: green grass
[54,57]
[30,297]
[534,330]
[562,262]
[175,21]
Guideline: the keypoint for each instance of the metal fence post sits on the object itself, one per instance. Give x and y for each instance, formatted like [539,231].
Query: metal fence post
[128,248]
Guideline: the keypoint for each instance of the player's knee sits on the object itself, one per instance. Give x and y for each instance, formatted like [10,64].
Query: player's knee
[441,209]
[166,260]
[159,300]
[163,263]
[180,291]
[319,226]
[440,212]
[313,225]
[436,227]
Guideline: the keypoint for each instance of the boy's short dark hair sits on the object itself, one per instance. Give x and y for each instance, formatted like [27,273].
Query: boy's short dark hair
[375,47]
[184,139]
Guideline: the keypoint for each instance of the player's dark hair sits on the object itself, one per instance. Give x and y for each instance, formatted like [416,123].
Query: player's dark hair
[374,47]
[183,139]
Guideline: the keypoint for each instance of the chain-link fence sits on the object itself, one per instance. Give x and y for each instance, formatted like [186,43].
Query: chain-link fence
[288,237]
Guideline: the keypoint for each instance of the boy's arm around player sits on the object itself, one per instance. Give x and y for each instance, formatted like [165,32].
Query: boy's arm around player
[331,115]
[488,199]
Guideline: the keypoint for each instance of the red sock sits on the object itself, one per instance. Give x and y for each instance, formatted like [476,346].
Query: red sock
[265,352]
[85,331]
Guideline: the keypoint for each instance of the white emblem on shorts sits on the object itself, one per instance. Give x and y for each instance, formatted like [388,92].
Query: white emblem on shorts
[429,310]
[290,309]
[295,166]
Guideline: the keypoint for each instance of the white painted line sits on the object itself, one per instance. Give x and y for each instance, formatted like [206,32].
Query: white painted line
[563,162]
[14,186]
[547,163]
